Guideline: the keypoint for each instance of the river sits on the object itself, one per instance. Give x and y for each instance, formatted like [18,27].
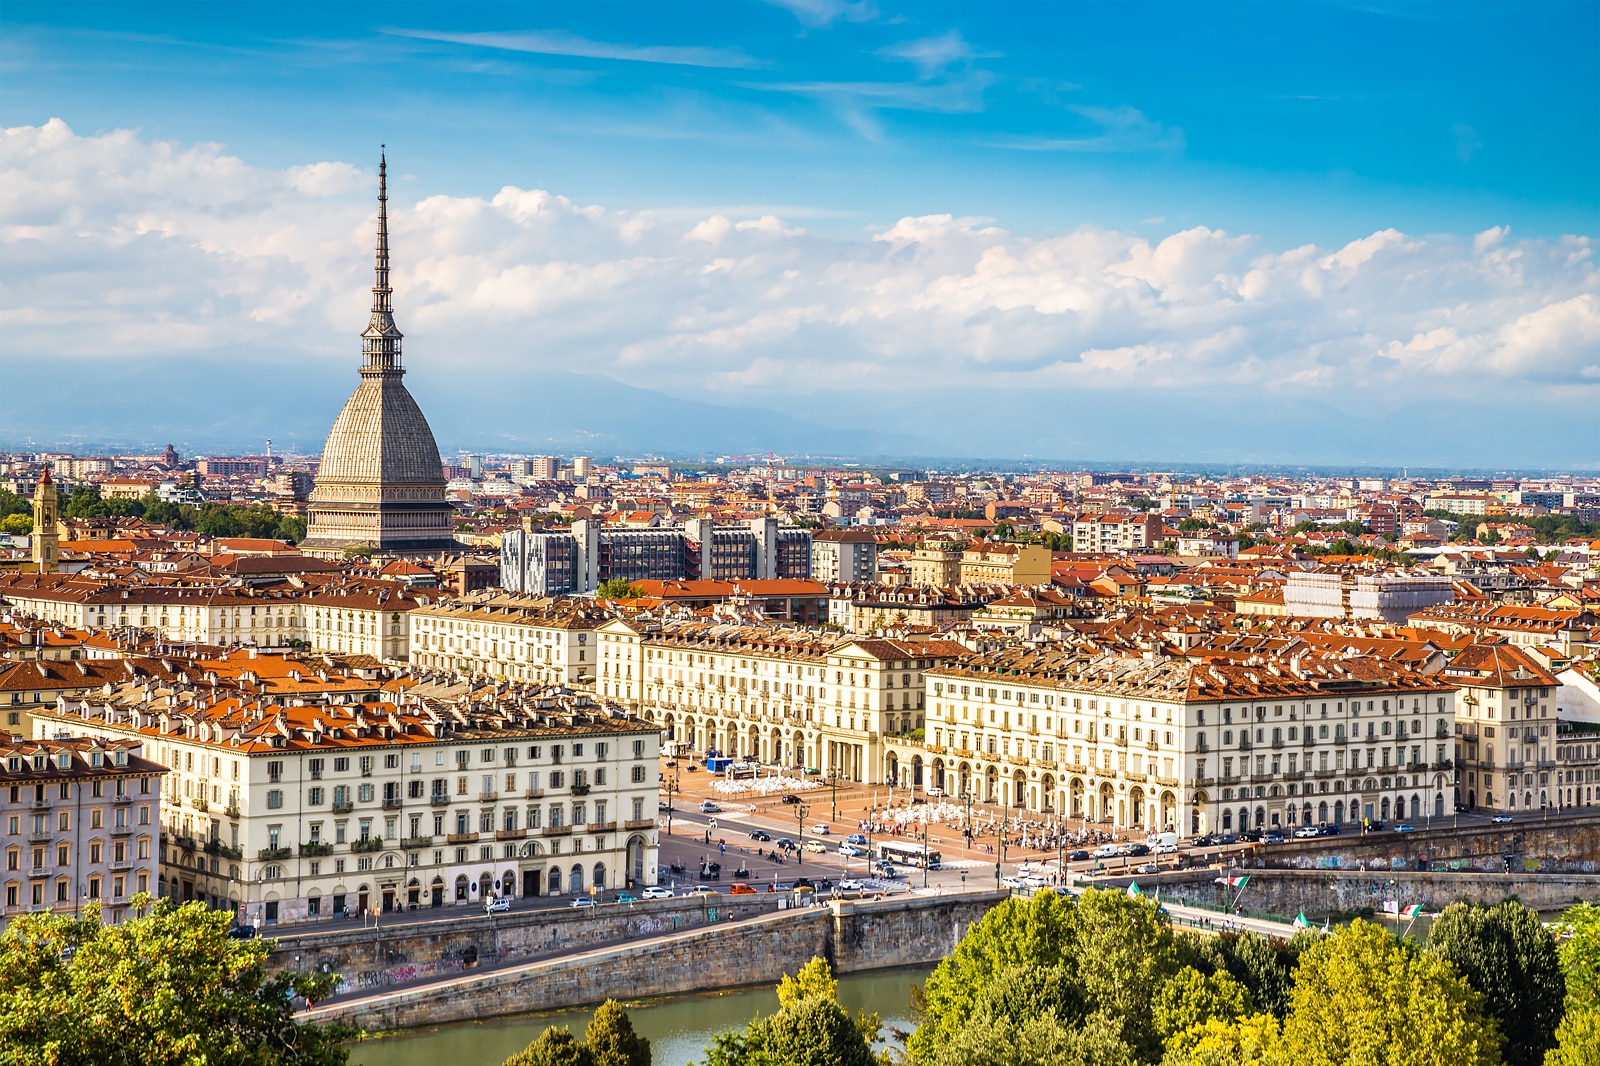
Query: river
[678,1028]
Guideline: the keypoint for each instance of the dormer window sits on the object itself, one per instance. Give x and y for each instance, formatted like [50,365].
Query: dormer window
[64,761]
[96,758]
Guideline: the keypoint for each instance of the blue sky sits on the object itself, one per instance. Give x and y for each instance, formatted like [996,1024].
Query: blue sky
[1092,126]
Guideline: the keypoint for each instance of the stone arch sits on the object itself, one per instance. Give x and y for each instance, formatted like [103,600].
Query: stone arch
[598,876]
[916,771]
[1019,789]
[1107,802]
[637,848]
[1047,789]
[938,773]
[1198,815]
[1075,797]
[1169,811]
[555,880]
[1136,808]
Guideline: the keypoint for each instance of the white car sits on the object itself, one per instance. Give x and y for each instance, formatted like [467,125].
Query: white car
[656,892]
[850,884]
[1306,832]
[707,807]
[936,791]
[1166,849]
[1106,851]
[582,901]
[1011,882]
[820,829]
[497,906]
[1035,881]
[851,850]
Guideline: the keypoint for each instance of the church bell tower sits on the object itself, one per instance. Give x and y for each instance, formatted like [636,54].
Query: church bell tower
[46,534]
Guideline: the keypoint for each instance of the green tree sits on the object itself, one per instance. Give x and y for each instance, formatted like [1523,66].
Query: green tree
[167,986]
[553,1047]
[16,523]
[1123,951]
[1252,1041]
[1262,966]
[815,978]
[1580,955]
[1191,998]
[1506,954]
[1034,932]
[611,1040]
[1040,1040]
[11,503]
[618,589]
[814,1031]
[1363,998]
[1577,1039]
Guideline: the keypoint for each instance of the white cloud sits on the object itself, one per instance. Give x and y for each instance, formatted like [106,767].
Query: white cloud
[556,43]
[117,246]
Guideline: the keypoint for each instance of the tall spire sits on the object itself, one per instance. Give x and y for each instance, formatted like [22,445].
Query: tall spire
[381,346]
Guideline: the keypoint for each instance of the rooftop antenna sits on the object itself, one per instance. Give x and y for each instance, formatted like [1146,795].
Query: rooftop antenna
[269,449]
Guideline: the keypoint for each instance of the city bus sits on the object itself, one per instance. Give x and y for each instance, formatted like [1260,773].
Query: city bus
[907,854]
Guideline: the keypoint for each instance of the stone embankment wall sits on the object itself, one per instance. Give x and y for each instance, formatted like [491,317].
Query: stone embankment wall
[391,954]
[1570,844]
[1322,892]
[853,936]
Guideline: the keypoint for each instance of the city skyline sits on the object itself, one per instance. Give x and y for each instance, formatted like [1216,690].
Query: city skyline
[1040,272]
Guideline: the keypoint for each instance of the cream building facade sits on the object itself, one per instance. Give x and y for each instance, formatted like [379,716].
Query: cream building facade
[509,638]
[306,809]
[788,697]
[1191,747]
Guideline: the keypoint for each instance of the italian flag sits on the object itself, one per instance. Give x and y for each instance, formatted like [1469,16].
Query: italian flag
[1300,921]
[1412,911]
[1236,880]
[1134,890]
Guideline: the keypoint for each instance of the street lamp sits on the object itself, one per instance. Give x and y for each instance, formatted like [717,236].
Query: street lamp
[924,850]
[1000,849]
[834,773]
[800,812]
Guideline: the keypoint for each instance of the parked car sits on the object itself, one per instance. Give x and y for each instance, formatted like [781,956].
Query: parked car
[1272,837]
[702,890]
[1227,838]
[821,829]
[739,888]
[707,807]
[625,897]
[497,906]
[816,847]
[582,901]
[1166,847]
[1106,851]
[856,838]
[1149,868]
[760,834]
[657,892]
[1501,819]
[1306,832]
[1329,830]
[851,850]
[790,797]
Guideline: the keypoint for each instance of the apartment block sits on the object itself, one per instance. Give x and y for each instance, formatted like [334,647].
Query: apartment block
[1193,747]
[81,824]
[427,797]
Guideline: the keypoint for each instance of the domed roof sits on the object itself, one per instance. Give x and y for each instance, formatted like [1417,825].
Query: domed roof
[381,437]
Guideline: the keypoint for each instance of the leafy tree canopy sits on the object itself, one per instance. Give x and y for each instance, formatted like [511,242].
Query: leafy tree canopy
[618,589]
[1580,955]
[609,1040]
[1363,998]
[809,1029]
[1505,953]
[168,986]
